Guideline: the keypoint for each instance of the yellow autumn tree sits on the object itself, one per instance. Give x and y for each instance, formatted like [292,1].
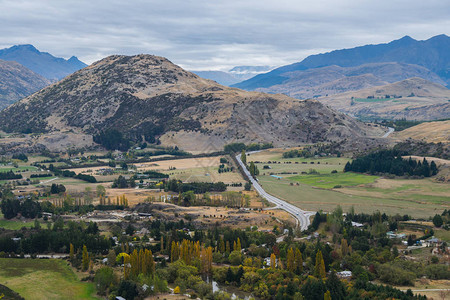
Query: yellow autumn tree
[290,260]
[319,269]
[327,295]
[126,266]
[298,262]
[273,261]
[344,247]
[85,259]
[72,252]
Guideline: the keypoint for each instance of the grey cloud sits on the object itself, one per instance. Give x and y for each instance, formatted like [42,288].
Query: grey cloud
[215,34]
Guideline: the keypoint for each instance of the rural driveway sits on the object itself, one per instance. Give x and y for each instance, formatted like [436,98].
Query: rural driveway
[301,215]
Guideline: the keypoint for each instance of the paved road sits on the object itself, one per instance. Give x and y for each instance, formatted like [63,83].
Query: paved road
[301,215]
[391,130]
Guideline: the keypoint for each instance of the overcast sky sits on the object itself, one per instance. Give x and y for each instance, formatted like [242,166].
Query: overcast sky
[215,34]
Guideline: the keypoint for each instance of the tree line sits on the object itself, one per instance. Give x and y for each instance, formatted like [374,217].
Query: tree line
[391,162]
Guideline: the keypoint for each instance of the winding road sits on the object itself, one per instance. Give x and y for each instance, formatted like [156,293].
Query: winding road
[390,130]
[301,215]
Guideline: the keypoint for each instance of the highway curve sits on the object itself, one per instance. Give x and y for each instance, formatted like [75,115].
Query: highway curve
[301,215]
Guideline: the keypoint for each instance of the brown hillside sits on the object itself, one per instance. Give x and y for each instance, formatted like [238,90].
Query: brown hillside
[17,82]
[413,99]
[148,97]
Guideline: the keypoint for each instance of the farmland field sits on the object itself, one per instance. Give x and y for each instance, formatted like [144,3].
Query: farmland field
[328,181]
[43,279]
[415,197]
[14,169]
[13,224]
[311,198]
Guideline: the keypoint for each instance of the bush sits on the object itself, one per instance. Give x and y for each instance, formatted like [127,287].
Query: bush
[437,272]
[104,277]
[395,275]
[127,289]
[235,258]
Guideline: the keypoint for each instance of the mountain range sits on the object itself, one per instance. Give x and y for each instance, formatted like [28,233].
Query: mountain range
[42,63]
[148,97]
[430,58]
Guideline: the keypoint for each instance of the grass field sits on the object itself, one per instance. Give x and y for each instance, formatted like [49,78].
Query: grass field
[329,181]
[420,198]
[205,174]
[20,168]
[43,279]
[311,198]
[13,224]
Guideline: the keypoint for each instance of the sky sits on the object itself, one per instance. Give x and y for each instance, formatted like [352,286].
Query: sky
[214,34]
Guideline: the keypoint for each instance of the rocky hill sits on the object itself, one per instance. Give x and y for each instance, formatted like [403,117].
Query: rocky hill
[42,63]
[17,82]
[148,97]
[432,54]
[412,99]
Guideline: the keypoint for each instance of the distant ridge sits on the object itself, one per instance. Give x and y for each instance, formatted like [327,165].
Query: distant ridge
[233,76]
[433,54]
[17,82]
[42,63]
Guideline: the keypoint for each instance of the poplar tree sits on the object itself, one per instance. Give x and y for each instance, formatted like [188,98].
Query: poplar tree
[85,259]
[319,269]
[290,261]
[221,246]
[72,252]
[344,247]
[238,244]
[243,157]
[273,261]
[298,262]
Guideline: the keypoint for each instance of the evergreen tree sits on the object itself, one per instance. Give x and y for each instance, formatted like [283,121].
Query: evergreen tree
[438,221]
[335,287]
